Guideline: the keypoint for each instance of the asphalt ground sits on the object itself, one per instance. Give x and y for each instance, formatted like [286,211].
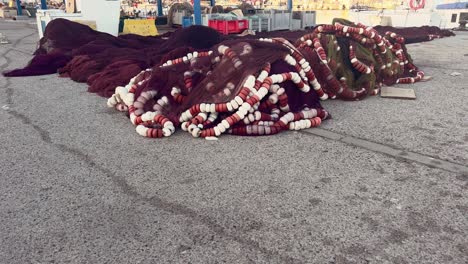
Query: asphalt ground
[384,181]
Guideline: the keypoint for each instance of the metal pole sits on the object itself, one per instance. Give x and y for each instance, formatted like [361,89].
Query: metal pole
[43,4]
[18,8]
[290,5]
[160,8]
[197,12]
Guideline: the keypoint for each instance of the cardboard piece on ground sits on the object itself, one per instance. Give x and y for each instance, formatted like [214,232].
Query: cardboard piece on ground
[426,78]
[455,74]
[3,39]
[400,93]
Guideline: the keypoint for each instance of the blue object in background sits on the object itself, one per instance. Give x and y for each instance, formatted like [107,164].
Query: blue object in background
[290,5]
[160,8]
[43,4]
[187,21]
[197,12]
[18,8]
[460,5]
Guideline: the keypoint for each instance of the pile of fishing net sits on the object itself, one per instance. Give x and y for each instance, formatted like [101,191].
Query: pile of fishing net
[208,84]
[418,34]
[104,61]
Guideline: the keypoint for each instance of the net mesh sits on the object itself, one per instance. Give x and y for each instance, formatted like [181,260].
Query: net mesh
[209,84]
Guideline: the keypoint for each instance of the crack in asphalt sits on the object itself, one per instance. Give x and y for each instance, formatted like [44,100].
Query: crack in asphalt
[155,201]
[127,189]
[440,67]
[389,150]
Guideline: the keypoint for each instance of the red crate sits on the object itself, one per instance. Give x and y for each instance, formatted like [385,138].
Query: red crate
[229,26]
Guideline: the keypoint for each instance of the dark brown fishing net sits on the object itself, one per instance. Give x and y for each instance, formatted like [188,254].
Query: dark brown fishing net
[210,84]
[417,34]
